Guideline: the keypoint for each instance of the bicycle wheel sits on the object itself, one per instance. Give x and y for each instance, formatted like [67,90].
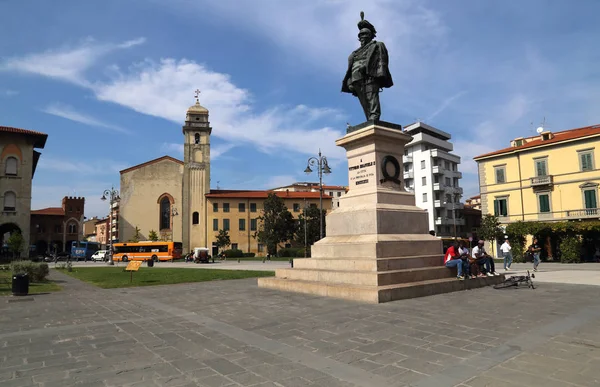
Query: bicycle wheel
[506,284]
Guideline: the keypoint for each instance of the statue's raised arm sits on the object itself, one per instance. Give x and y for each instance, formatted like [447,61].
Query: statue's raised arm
[368,70]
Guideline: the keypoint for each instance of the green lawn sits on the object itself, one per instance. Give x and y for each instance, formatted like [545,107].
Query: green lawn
[34,288]
[115,277]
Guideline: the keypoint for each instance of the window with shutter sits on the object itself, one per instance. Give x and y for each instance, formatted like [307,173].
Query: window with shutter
[11,166]
[501,207]
[541,168]
[500,178]
[586,161]
[10,201]
[590,198]
[544,203]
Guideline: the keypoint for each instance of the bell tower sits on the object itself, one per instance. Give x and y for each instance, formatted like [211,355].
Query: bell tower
[196,176]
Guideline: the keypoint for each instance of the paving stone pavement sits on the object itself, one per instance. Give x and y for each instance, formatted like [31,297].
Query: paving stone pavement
[232,333]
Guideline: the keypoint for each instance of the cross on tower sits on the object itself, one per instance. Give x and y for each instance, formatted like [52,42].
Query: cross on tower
[197,94]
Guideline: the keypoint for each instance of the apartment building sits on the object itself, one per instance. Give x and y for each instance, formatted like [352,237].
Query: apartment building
[431,172]
[552,176]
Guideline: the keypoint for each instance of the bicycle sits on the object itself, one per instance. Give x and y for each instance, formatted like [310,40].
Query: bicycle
[516,280]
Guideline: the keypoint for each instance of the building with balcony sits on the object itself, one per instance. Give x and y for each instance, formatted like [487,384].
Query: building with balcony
[431,171]
[549,177]
[474,202]
[18,162]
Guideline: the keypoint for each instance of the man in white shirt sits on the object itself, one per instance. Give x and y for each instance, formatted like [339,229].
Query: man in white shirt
[482,258]
[506,251]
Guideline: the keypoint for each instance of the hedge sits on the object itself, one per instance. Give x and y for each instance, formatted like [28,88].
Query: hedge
[37,272]
[566,231]
[570,250]
[249,255]
[292,252]
[234,253]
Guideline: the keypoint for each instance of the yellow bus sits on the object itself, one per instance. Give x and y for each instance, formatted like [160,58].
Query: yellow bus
[144,251]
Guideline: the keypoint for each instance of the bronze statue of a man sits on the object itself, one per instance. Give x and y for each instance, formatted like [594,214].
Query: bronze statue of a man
[368,70]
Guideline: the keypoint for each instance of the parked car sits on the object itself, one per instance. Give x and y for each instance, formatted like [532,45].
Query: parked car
[100,255]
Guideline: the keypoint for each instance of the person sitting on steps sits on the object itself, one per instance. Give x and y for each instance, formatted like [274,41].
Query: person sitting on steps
[463,251]
[482,258]
[454,259]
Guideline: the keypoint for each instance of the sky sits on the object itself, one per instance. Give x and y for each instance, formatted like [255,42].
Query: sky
[109,81]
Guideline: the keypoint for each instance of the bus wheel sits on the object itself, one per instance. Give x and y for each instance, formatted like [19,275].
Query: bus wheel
[124,259]
[155,258]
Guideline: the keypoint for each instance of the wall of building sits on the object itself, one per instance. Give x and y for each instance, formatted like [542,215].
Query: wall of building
[141,189]
[20,147]
[244,238]
[565,192]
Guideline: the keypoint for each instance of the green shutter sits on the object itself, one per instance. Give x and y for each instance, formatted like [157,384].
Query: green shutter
[590,198]
[544,203]
[496,208]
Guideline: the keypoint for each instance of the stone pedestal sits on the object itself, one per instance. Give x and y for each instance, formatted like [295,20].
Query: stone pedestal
[377,247]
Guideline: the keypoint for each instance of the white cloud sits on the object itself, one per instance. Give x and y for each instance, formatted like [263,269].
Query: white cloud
[324,33]
[279,181]
[66,63]
[162,90]
[445,103]
[215,150]
[176,148]
[8,93]
[98,167]
[67,112]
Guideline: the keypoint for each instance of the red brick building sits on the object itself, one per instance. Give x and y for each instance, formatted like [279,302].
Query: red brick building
[53,229]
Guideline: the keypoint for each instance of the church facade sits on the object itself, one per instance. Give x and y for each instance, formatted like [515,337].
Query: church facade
[173,197]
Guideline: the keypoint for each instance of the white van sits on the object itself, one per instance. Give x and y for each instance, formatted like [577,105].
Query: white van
[100,255]
[201,254]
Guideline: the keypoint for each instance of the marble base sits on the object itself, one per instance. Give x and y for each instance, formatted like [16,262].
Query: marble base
[378,247]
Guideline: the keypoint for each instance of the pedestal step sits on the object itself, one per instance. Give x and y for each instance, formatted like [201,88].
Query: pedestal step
[377,294]
[380,246]
[373,278]
[368,264]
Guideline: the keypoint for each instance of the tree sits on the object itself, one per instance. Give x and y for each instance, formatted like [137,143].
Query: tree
[136,237]
[277,224]
[153,236]
[313,228]
[490,229]
[15,243]
[223,239]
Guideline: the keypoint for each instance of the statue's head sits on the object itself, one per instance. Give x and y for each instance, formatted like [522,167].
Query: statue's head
[367,30]
[365,35]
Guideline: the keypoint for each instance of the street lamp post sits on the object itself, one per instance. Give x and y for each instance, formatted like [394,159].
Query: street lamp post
[323,167]
[305,232]
[173,214]
[113,197]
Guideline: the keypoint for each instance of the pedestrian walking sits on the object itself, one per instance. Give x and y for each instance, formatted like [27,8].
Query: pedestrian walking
[506,251]
[535,250]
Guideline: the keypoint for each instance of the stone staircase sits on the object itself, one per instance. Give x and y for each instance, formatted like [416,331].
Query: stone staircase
[373,280]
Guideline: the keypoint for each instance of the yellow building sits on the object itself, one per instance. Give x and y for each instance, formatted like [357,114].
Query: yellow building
[237,212]
[548,177]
